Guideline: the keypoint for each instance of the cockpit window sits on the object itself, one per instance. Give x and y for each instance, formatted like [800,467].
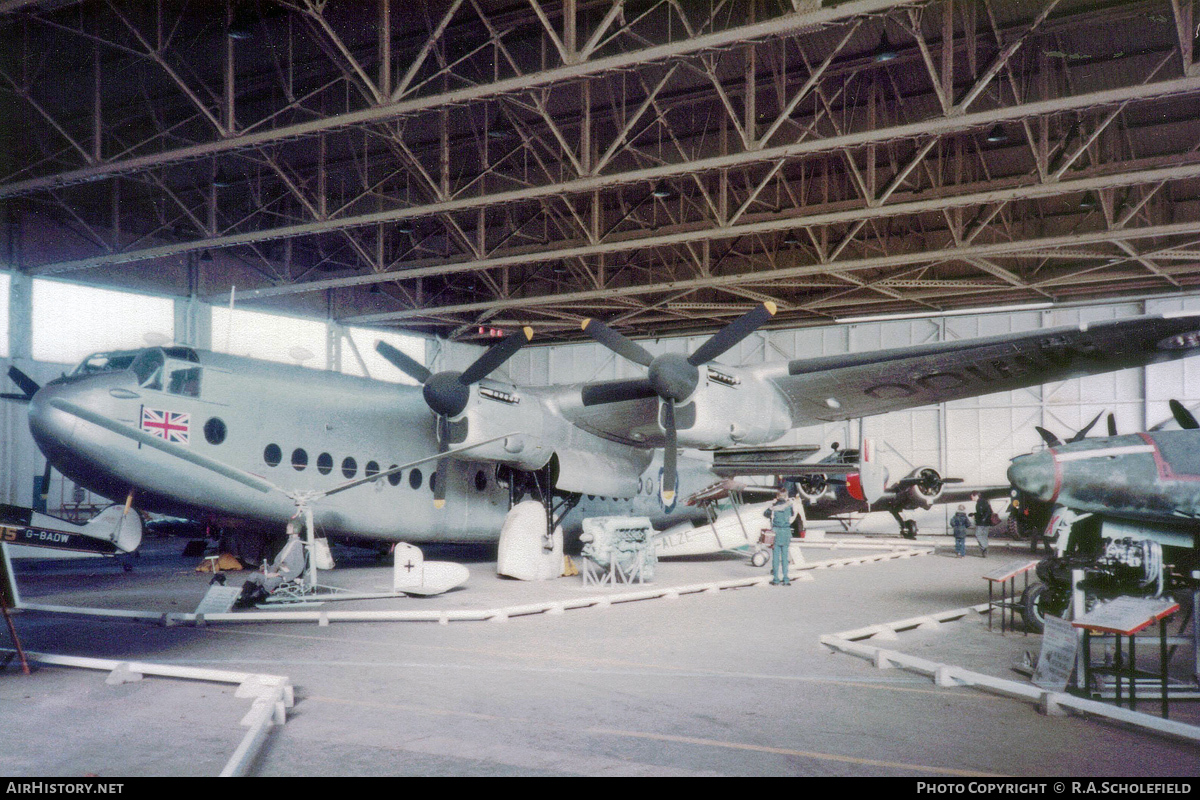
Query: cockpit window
[183,380]
[106,362]
[148,367]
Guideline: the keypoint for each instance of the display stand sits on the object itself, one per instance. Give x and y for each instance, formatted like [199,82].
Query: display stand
[1125,616]
[1006,578]
[595,575]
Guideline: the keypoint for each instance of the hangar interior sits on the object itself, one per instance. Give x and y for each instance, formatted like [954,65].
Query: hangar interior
[294,179]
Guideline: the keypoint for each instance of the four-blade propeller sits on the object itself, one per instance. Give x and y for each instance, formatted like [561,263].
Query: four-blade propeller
[447,393]
[671,377]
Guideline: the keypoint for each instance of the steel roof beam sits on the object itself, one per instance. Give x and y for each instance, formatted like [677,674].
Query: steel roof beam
[923,129]
[773,28]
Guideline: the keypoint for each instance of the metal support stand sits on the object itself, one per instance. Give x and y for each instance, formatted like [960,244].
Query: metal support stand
[1120,618]
[1006,579]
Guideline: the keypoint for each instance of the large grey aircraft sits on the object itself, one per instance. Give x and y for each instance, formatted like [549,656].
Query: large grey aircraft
[1123,509]
[226,438]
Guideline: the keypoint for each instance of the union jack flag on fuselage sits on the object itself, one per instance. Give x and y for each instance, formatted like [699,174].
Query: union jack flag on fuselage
[170,425]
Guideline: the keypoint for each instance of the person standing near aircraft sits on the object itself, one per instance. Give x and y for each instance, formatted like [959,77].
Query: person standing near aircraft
[983,522]
[783,513]
[959,524]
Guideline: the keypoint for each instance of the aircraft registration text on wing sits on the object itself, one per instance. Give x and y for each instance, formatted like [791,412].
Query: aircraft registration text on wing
[211,436]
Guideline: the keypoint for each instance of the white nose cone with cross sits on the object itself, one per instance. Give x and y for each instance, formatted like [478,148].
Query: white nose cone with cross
[412,574]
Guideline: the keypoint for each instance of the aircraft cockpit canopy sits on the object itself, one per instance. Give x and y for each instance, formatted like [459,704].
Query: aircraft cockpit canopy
[173,369]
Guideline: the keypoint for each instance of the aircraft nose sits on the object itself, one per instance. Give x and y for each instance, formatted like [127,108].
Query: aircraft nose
[1034,475]
[52,429]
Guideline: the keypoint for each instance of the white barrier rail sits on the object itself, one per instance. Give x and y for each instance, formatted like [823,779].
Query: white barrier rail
[948,675]
[443,617]
[272,695]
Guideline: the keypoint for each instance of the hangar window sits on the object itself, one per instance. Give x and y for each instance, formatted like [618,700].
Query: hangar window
[299,459]
[215,431]
[394,478]
[372,469]
[272,455]
[324,463]
[126,317]
[481,481]
[349,467]
[414,479]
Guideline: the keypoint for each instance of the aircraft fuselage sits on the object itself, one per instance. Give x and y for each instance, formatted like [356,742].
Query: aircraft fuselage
[303,431]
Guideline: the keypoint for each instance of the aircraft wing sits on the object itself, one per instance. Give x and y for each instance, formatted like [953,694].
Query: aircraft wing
[839,387]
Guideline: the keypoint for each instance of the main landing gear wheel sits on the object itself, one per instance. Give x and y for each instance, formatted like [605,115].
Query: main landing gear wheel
[760,559]
[908,529]
[1039,600]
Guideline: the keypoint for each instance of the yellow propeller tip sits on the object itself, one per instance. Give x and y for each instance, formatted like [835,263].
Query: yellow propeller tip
[668,497]
[528,333]
[583,325]
[771,307]
[439,503]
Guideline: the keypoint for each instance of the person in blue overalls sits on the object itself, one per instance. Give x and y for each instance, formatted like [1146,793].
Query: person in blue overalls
[782,513]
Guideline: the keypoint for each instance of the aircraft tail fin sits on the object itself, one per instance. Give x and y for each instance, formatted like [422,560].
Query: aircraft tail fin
[117,525]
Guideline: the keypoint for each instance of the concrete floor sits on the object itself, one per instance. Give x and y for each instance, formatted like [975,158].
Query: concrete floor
[728,683]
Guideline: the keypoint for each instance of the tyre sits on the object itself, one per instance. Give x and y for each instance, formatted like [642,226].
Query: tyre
[1039,600]
[759,559]
[908,529]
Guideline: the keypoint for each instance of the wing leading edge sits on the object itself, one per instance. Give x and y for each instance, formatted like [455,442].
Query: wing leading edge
[839,387]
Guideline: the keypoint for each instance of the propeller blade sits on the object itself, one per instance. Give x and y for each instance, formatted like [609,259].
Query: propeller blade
[496,355]
[439,475]
[1047,437]
[1183,416]
[403,362]
[1083,432]
[624,347]
[595,394]
[26,384]
[670,453]
[439,482]
[45,488]
[732,333]
[1112,425]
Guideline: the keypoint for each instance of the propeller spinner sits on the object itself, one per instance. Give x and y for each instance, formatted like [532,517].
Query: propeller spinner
[671,377]
[448,393]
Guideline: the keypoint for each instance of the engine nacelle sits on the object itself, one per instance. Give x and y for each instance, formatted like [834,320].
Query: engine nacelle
[921,488]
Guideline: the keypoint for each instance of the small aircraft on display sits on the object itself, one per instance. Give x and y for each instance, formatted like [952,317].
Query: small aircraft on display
[1124,510]
[236,440]
[114,530]
[850,481]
